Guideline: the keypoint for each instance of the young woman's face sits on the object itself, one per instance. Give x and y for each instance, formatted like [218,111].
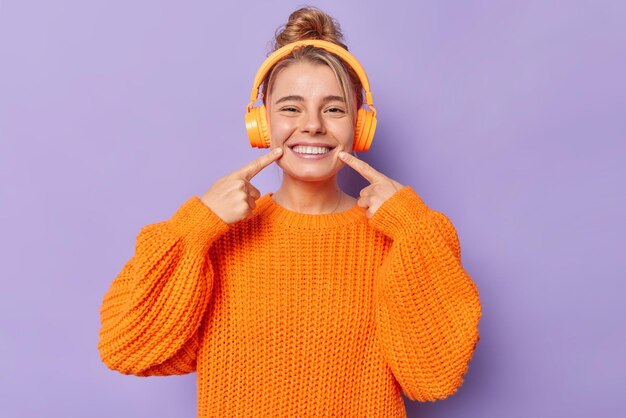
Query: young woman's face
[306,106]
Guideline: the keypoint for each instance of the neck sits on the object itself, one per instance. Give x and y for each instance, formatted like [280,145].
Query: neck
[310,197]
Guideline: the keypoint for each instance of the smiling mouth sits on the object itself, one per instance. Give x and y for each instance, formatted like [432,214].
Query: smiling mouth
[312,152]
[313,146]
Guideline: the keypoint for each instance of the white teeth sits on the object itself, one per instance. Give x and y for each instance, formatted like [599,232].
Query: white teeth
[310,150]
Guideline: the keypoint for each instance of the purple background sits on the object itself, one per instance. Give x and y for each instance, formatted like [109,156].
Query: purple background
[504,115]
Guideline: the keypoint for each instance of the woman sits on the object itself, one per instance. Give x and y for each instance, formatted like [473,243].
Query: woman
[306,301]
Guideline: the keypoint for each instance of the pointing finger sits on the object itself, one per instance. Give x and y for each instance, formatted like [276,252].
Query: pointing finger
[362,167]
[255,166]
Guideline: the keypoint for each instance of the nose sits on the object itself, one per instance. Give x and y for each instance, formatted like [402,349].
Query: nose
[312,123]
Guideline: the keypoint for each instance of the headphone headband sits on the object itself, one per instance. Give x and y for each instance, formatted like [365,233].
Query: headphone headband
[328,46]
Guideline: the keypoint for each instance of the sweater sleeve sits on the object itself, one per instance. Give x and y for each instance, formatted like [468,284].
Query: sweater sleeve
[427,306]
[151,313]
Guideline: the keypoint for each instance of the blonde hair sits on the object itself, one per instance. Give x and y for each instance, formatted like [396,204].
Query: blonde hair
[311,23]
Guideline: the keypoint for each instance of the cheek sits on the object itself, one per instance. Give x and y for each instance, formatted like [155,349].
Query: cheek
[345,132]
[279,129]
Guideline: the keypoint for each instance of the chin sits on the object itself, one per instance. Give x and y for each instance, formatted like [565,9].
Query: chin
[309,175]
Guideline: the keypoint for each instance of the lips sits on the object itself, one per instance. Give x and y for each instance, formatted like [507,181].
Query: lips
[312,156]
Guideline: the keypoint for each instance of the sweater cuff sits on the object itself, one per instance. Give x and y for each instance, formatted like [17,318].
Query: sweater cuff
[197,223]
[398,213]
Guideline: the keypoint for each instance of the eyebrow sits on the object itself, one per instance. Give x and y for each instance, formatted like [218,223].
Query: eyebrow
[301,99]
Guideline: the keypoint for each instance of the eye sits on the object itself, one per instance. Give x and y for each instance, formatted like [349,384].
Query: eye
[289,109]
[336,110]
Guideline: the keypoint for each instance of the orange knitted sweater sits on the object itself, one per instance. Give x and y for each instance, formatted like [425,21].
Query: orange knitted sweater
[286,314]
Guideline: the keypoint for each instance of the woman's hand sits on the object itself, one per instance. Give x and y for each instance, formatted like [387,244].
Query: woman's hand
[233,197]
[380,189]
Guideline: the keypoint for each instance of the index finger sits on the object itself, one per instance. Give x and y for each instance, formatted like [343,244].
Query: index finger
[362,168]
[255,166]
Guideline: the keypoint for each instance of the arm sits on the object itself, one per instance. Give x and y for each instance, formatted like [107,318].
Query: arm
[427,306]
[151,313]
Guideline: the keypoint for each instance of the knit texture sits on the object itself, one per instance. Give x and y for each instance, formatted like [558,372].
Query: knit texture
[286,314]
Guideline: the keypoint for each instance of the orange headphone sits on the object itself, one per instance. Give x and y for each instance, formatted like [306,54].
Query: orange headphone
[256,117]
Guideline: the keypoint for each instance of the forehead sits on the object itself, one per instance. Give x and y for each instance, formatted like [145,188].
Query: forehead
[307,80]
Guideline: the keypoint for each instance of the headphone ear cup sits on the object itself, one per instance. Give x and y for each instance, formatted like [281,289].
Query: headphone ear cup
[263,127]
[356,145]
[257,127]
[364,130]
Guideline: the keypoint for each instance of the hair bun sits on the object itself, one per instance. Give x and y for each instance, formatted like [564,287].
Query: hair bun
[309,23]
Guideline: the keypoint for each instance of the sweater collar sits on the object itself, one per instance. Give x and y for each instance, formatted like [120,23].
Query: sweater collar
[270,209]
